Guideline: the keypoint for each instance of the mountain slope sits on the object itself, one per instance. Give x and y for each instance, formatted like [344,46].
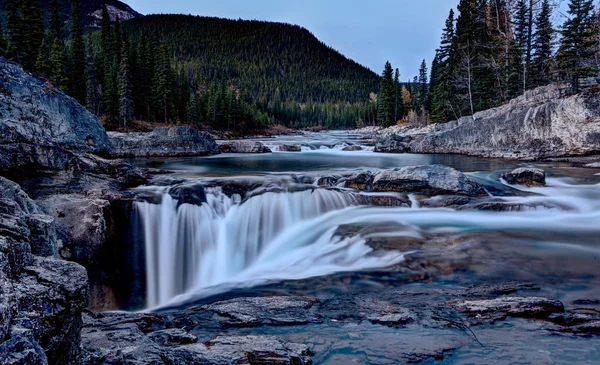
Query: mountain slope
[92,10]
[272,60]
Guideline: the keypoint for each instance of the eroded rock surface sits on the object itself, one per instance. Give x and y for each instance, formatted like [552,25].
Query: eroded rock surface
[242,146]
[526,176]
[164,142]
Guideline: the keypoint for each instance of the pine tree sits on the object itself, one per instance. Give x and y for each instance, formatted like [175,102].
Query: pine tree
[14,32]
[125,98]
[42,64]
[54,23]
[385,99]
[2,42]
[466,54]
[93,96]
[162,87]
[77,54]
[578,44]
[519,66]
[398,104]
[543,37]
[57,65]
[442,94]
[32,32]
[423,89]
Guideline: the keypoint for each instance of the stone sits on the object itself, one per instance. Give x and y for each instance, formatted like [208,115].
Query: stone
[352,148]
[540,124]
[242,146]
[429,179]
[403,317]
[290,148]
[39,123]
[164,142]
[527,176]
[359,181]
[499,308]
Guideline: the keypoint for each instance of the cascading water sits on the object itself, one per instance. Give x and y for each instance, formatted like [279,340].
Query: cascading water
[194,251]
[190,246]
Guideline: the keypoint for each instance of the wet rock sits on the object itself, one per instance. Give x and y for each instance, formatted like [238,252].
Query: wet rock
[173,336]
[246,312]
[360,181]
[591,328]
[189,194]
[394,144]
[352,148]
[290,148]
[328,181]
[389,201]
[242,146]
[43,235]
[500,308]
[164,142]
[430,179]
[395,319]
[526,176]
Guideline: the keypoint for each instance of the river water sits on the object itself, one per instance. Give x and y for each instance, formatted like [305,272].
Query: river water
[286,237]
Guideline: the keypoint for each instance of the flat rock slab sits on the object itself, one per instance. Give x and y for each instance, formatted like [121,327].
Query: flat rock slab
[249,312]
[500,308]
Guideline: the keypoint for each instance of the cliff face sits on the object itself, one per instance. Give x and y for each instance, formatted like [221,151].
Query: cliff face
[540,124]
[39,124]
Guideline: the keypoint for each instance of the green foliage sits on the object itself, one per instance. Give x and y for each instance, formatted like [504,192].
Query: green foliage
[543,37]
[385,99]
[442,75]
[77,54]
[3,43]
[578,46]
[58,64]
[42,64]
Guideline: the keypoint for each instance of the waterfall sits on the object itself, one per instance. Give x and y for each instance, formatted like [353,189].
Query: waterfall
[190,246]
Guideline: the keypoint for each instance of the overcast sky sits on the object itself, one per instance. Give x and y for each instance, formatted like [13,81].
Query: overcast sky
[367,31]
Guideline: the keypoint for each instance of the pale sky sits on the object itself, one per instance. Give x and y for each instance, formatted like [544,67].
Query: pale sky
[370,32]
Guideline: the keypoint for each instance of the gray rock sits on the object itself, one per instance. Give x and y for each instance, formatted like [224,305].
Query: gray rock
[540,124]
[527,176]
[290,148]
[400,318]
[499,308]
[33,112]
[430,179]
[260,311]
[352,148]
[244,147]
[164,142]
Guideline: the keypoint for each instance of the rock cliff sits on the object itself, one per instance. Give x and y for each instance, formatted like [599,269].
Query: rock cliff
[540,124]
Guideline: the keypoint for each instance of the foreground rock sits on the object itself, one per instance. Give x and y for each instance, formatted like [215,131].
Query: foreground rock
[290,148]
[164,142]
[43,296]
[244,147]
[526,176]
[540,124]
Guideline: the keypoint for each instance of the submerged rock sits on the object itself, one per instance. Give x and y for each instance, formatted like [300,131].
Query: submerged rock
[500,308]
[352,148]
[164,142]
[244,147]
[527,176]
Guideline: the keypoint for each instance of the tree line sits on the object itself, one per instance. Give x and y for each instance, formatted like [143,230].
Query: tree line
[495,50]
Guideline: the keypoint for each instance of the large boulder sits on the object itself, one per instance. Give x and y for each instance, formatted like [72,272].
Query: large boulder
[39,123]
[244,147]
[542,123]
[429,179]
[164,142]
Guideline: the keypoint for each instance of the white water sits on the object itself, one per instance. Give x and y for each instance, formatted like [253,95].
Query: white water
[195,251]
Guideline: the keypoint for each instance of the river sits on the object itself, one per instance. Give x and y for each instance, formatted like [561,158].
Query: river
[292,237]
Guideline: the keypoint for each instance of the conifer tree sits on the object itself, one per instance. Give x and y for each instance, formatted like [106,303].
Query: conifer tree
[578,43]
[77,54]
[93,96]
[398,104]
[42,64]
[385,99]
[162,87]
[519,74]
[442,91]
[32,32]
[423,87]
[125,98]
[54,22]
[543,36]
[57,65]
[2,42]
[14,34]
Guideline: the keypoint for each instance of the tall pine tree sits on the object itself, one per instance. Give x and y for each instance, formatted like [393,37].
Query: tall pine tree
[33,33]
[54,22]
[77,54]
[14,31]
[542,45]
[125,97]
[385,99]
[578,43]
[442,92]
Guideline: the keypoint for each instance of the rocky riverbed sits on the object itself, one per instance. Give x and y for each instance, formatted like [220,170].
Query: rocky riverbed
[320,252]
